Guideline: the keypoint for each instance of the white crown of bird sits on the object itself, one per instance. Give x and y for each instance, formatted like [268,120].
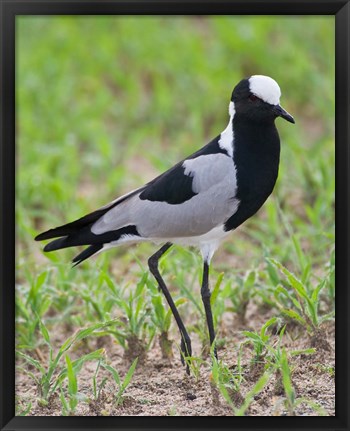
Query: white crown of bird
[265,88]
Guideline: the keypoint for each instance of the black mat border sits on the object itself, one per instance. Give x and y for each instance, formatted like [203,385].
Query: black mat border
[9,10]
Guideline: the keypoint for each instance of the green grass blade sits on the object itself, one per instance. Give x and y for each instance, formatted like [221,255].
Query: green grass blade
[113,371]
[31,361]
[72,378]
[216,289]
[129,375]
[259,386]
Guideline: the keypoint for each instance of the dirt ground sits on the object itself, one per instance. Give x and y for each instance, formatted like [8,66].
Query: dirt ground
[160,387]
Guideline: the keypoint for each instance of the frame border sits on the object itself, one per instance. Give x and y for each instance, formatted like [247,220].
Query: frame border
[9,9]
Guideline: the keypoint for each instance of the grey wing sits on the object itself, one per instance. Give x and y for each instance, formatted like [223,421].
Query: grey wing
[188,200]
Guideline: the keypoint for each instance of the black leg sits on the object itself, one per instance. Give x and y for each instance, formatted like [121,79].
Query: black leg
[205,292]
[153,266]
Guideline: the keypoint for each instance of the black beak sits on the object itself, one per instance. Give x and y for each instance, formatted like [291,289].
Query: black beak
[280,112]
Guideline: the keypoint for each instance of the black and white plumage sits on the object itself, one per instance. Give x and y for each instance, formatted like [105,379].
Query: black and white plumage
[199,200]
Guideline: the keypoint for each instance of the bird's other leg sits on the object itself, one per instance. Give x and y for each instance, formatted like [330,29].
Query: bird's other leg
[205,292]
[185,339]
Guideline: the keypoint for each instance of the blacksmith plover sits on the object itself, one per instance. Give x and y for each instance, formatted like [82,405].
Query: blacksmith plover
[197,202]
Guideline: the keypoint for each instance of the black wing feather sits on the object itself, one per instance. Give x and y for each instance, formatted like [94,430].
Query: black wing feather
[85,254]
[72,227]
[86,237]
[83,222]
[174,187]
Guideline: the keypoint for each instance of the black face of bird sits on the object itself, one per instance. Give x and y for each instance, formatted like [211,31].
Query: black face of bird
[257,99]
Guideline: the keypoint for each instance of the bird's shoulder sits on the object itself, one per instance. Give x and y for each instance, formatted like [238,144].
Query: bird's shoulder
[176,185]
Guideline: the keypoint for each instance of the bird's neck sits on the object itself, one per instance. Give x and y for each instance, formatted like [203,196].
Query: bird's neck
[256,138]
[256,158]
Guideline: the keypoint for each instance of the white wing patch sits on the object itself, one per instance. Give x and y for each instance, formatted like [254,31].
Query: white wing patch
[265,88]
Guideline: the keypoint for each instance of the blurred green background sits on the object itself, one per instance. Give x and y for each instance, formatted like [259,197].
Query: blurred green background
[106,103]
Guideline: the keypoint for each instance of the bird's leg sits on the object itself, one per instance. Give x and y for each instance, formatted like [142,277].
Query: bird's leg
[205,292]
[185,339]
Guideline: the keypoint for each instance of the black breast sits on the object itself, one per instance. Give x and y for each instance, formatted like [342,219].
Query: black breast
[256,157]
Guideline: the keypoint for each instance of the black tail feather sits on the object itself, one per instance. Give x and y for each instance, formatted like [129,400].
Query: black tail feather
[87,220]
[84,236]
[85,254]
[57,244]
[73,227]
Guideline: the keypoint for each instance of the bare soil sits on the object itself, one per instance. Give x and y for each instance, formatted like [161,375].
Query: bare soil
[161,387]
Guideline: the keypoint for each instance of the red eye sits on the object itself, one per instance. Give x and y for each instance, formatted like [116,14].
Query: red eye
[253,98]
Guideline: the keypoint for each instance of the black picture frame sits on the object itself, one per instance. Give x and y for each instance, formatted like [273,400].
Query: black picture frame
[12,8]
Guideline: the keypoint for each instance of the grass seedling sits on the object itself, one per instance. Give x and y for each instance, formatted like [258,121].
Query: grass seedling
[121,384]
[330,281]
[260,340]
[162,319]
[268,351]
[228,381]
[61,282]
[305,302]
[98,387]
[172,411]
[136,330]
[23,411]
[217,300]
[70,407]
[194,363]
[258,387]
[29,312]
[284,370]
[53,373]
[38,300]
[276,360]
[287,383]
[241,293]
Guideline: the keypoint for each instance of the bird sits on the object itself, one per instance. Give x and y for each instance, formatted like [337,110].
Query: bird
[199,201]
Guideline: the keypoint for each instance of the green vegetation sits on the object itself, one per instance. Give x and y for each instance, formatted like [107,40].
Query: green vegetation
[121,385]
[52,375]
[104,105]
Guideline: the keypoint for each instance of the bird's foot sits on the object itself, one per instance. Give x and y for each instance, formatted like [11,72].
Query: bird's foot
[186,352]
